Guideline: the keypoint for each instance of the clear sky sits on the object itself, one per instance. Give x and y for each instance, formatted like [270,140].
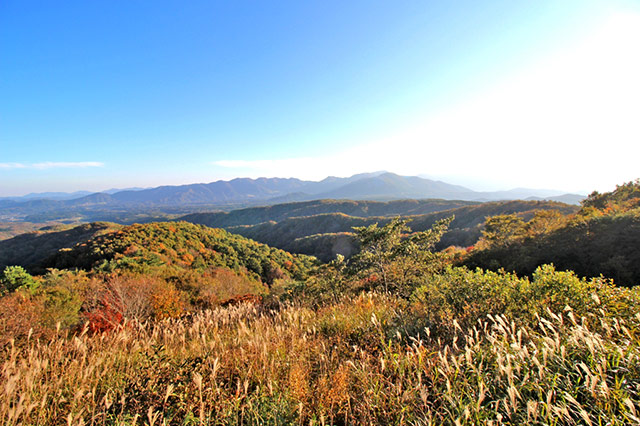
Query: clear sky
[493,95]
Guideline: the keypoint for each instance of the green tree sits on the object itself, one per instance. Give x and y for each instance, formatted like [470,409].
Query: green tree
[394,259]
[545,222]
[503,230]
[15,277]
[329,282]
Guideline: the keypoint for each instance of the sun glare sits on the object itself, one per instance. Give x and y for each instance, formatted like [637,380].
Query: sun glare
[578,110]
[570,118]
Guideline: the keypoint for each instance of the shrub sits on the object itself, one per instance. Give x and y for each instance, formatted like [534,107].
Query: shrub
[20,316]
[15,277]
[131,297]
[61,307]
[465,296]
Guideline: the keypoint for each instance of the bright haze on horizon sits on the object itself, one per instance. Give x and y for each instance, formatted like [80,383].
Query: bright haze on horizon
[96,95]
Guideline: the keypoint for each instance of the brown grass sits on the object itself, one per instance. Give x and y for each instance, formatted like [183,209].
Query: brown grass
[242,365]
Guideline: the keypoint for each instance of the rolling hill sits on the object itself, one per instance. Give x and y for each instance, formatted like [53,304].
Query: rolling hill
[30,249]
[178,246]
[290,226]
[362,208]
[166,246]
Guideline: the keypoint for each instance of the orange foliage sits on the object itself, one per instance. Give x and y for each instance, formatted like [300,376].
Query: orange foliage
[224,285]
[132,249]
[166,302]
[187,258]
[104,318]
[131,297]
[20,315]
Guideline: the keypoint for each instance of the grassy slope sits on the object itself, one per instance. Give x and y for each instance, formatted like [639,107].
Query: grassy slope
[360,360]
[467,348]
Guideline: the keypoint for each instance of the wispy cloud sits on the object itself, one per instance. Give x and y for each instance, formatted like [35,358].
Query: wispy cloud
[12,166]
[52,165]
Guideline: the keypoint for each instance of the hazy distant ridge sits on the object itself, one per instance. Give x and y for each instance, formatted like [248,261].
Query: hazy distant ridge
[365,186]
[379,186]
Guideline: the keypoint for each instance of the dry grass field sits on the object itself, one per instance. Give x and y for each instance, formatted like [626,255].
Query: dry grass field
[340,364]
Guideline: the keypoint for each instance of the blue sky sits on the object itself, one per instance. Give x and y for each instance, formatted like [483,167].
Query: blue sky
[103,94]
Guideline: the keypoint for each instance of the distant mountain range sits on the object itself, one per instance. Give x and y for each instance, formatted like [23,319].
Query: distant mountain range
[63,195]
[380,186]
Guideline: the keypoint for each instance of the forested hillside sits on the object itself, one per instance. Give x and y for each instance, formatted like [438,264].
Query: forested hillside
[602,238]
[325,235]
[178,246]
[157,270]
[361,208]
[30,249]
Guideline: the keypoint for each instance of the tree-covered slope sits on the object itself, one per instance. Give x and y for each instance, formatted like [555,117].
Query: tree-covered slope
[179,246]
[465,230]
[602,238]
[30,249]
[306,234]
[279,212]
[281,234]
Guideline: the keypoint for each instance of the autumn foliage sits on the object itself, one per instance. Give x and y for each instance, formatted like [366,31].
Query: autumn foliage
[601,238]
[137,332]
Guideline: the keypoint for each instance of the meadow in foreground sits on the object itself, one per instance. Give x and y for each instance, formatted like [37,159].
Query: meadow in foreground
[370,358]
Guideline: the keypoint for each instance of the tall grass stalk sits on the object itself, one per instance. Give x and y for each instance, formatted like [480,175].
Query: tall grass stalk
[342,364]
